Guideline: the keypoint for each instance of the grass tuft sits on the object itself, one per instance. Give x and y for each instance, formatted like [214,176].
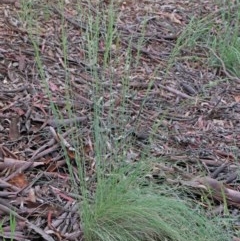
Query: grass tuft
[123,209]
[217,32]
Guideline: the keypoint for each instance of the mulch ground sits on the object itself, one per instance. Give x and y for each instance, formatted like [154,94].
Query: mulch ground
[186,115]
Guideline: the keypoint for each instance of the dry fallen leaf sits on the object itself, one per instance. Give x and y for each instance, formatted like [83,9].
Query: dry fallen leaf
[237,98]
[53,87]
[19,180]
[175,18]
[31,195]
[21,62]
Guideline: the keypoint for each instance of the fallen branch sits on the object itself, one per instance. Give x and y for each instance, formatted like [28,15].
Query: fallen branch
[216,189]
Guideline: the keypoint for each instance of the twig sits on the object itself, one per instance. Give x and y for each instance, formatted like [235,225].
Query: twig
[8,1]
[56,123]
[219,170]
[176,92]
[22,88]
[70,20]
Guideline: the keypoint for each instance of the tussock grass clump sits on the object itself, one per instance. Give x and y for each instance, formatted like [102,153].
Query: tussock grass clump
[125,210]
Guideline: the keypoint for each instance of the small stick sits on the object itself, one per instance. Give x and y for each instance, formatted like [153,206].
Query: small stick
[176,92]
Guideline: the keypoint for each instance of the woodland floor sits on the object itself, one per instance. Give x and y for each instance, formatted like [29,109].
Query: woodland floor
[191,113]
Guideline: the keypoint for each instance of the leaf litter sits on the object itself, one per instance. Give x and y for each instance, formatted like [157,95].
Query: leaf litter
[191,125]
